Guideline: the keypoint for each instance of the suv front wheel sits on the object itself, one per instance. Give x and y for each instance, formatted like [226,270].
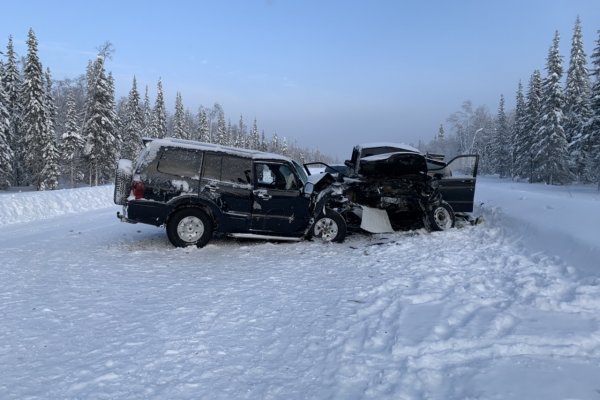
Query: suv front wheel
[440,218]
[189,227]
[329,227]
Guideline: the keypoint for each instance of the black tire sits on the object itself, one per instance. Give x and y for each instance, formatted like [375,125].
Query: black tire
[189,227]
[329,227]
[440,218]
[122,187]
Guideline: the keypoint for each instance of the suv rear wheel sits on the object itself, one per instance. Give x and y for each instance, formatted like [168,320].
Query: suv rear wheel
[189,227]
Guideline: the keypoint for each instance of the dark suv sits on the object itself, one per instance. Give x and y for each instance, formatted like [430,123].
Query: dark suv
[196,189]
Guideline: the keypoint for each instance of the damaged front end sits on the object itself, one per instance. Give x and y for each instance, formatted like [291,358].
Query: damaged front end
[391,192]
[327,200]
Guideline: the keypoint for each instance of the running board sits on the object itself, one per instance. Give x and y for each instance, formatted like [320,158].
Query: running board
[267,237]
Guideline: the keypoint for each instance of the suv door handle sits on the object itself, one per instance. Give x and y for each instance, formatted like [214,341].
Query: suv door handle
[262,194]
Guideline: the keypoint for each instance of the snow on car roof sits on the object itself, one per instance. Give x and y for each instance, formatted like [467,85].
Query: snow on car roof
[399,146]
[192,144]
[384,156]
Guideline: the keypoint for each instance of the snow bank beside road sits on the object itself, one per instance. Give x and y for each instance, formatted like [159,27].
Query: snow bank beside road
[30,206]
[558,220]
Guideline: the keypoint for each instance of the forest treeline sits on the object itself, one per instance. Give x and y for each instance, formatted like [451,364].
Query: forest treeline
[73,131]
[553,133]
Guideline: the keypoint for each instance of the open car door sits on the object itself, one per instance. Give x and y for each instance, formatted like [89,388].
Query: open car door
[457,183]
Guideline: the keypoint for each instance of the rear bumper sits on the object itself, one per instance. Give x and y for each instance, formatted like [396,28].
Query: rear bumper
[144,212]
[123,217]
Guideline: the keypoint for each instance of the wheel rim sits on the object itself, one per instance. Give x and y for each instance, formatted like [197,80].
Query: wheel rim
[190,229]
[326,229]
[442,218]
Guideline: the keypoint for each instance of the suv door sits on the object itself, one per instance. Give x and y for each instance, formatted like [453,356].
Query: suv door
[227,181]
[279,207]
[457,184]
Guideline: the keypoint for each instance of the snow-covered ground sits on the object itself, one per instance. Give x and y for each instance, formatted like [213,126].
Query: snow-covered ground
[96,309]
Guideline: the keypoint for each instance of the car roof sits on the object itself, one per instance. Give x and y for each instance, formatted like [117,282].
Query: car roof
[399,146]
[192,144]
[385,156]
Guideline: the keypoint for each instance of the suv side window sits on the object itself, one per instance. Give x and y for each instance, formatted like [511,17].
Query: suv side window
[212,166]
[275,176]
[180,162]
[237,170]
[228,169]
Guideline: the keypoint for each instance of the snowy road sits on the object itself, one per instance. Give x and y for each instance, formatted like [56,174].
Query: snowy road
[95,309]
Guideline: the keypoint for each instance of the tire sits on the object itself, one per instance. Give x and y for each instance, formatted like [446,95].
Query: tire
[329,227]
[122,185]
[440,218]
[189,227]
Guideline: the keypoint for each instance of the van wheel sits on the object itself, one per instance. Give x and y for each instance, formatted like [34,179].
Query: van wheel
[189,227]
[329,227]
[441,217]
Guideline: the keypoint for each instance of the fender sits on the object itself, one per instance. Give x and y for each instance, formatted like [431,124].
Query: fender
[196,200]
[329,196]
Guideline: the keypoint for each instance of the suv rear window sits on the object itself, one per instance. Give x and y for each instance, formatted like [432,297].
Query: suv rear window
[180,162]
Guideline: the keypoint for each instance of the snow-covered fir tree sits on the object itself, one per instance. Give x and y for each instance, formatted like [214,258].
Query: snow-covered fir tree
[441,134]
[133,120]
[525,143]
[189,123]
[221,127]
[263,142]
[179,128]
[158,128]
[115,137]
[517,132]
[50,154]
[550,146]
[284,147]
[255,138]
[203,129]
[231,134]
[275,145]
[146,114]
[12,82]
[6,153]
[501,142]
[577,102]
[71,145]
[35,120]
[101,143]
[241,137]
[592,127]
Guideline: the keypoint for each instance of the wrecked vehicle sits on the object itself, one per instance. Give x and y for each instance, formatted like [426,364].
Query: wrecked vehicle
[393,186]
[198,189]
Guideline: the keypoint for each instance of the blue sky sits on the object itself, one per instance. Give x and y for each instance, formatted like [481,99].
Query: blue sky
[324,73]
